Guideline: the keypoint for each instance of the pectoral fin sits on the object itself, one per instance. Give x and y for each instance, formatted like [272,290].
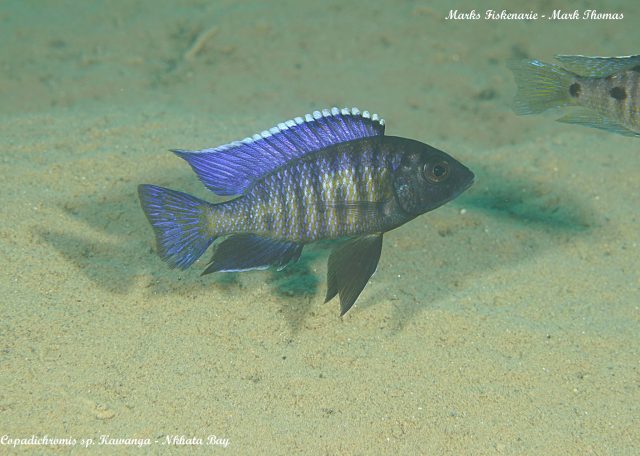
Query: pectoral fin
[350,267]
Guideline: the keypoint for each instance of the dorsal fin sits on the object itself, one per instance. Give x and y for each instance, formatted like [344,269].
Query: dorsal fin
[231,168]
[598,67]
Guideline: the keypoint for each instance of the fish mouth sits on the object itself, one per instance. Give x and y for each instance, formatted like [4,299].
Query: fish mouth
[468,182]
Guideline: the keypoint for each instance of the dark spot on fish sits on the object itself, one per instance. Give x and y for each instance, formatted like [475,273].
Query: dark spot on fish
[618,93]
[575,89]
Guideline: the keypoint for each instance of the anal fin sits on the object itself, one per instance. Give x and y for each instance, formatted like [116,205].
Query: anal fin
[350,267]
[589,118]
[243,252]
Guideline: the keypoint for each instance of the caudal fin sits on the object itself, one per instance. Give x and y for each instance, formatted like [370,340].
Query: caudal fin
[180,222]
[541,86]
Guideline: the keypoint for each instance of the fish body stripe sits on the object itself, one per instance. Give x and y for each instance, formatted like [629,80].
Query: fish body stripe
[312,199]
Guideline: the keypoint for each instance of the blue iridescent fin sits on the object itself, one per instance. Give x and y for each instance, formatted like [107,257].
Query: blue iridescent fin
[231,168]
[243,252]
[180,224]
[350,267]
[598,67]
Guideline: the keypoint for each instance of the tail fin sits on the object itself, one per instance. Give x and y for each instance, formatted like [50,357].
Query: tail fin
[180,222]
[541,86]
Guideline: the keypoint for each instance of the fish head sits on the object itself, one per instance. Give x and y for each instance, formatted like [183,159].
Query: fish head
[427,178]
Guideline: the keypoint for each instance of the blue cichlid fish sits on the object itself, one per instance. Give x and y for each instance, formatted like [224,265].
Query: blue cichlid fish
[605,90]
[329,175]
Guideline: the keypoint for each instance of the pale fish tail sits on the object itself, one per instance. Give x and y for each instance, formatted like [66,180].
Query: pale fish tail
[541,86]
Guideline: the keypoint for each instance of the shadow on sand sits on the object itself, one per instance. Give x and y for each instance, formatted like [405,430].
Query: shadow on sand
[125,251]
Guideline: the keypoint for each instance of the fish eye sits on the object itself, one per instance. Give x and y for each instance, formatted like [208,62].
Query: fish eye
[436,172]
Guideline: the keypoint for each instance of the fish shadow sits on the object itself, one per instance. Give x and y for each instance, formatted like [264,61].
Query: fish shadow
[521,216]
[529,205]
[297,286]
[115,248]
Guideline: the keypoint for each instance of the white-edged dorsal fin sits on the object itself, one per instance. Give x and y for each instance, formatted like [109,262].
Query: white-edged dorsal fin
[229,169]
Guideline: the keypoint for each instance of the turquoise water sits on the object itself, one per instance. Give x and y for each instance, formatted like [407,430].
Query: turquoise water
[505,322]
